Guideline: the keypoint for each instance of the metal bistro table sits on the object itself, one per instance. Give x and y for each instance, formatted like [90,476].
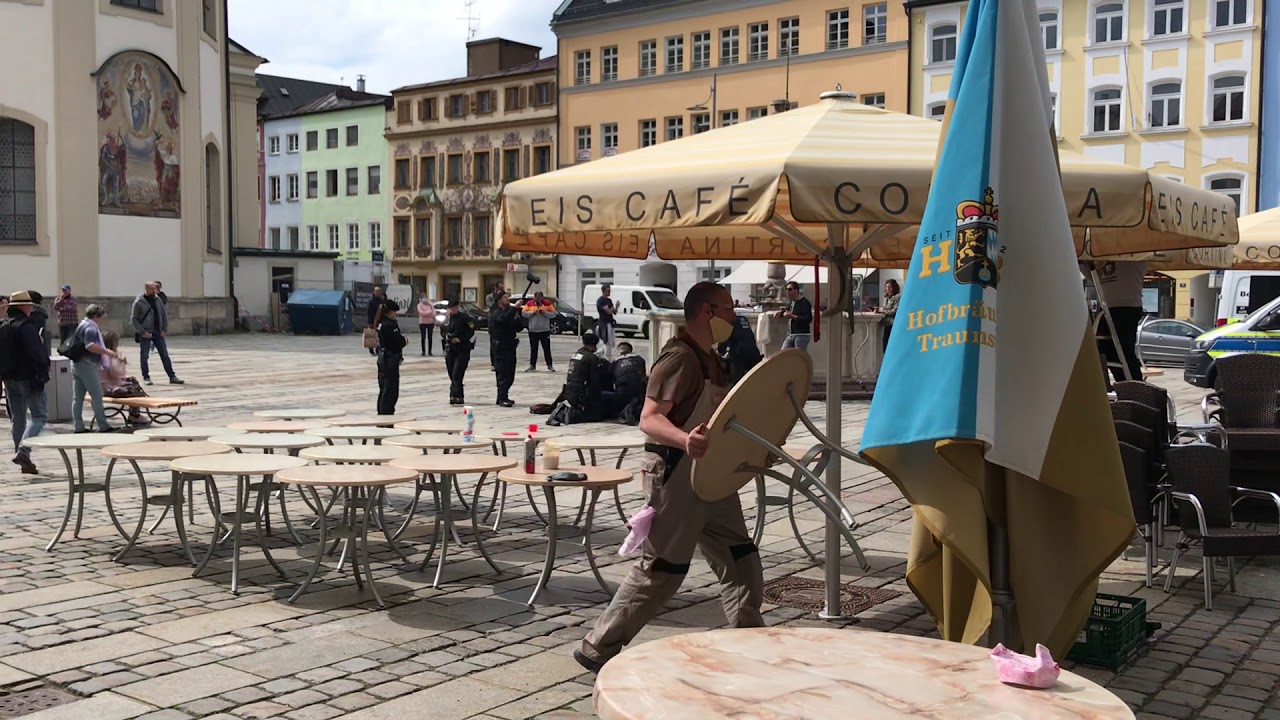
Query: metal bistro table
[598,480]
[134,453]
[278,426]
[372,421]
[76,486]
[829,674]
[449,467]
[423,444]
[587,446]
[362,485]
[434,427]
[364,433]
[242,467]
[300,414]
[269,443]
[190,433]
[499,438]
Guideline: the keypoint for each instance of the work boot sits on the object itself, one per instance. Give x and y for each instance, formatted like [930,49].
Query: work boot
[591,666]
[506,402]
[531,368]
[176,381]
[550,369]
[23,461]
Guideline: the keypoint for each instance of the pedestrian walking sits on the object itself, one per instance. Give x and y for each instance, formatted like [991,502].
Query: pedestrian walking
[504,331]
[426,325]
[889,310]
[538,313]
[150,320]
[800,313]
[68,313]
[375,304]
[90,354]
[391,344]
[686,385]
[459,336]
[24,372]
[606,324]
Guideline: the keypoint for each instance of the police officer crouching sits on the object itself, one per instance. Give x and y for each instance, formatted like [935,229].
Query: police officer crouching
[459,339]
[391,344]
[587,388]
[629,379]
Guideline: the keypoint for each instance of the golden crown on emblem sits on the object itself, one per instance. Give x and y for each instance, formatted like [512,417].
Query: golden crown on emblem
[971,213]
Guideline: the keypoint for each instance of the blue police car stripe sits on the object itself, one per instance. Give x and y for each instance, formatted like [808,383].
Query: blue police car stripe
[1247,344]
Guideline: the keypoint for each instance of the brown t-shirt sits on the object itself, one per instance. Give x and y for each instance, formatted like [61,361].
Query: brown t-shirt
[678,377]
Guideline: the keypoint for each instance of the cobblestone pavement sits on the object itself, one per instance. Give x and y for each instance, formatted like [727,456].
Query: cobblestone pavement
[142,638]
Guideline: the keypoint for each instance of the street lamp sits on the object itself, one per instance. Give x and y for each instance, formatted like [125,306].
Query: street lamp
[702,107]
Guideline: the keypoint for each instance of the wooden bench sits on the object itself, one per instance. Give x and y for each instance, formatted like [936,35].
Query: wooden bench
[157,409]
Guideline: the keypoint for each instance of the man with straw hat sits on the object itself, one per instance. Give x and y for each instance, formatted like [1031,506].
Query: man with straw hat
[24,368]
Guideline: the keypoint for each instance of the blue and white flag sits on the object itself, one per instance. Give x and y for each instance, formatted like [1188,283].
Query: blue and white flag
[992,357]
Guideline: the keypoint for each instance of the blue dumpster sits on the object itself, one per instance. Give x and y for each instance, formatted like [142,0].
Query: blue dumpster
[320,312]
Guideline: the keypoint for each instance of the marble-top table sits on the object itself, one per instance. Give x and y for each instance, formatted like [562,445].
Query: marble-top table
[819,673]
[278,426]
[76,486]
[190,433]
[301,414]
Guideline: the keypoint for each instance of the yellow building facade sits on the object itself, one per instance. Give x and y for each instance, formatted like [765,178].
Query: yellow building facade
[1170,86]
[452,145]
[639,72]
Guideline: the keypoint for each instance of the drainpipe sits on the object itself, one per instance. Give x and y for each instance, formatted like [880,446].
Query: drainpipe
[906,8]
[227,145]
[1262,120]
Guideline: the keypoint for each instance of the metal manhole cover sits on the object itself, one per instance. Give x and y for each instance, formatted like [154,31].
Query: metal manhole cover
[809,595]
[29,701]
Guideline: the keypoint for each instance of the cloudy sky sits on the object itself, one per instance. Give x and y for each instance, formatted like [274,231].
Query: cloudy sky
[393,42]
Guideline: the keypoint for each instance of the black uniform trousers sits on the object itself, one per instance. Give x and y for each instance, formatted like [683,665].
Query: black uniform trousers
[504,363]
[388,382]
[456,360]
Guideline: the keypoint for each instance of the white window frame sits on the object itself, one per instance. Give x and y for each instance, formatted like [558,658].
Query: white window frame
[609,137]
[1215,92]
[700,50]
[875,23]
[728,118]
[295,238]
[1172,10]
[293,187]
[1111,17]
[838,29]
[273,145]
[674,128]
[936,111]
[582,67]
[313,238]
[648,58]
[273,238]
[583,136]
[700,122]
[1163,102]
[1241,178]
[375,235]
[1230,5]
[789,37]
[950,41]
[291,143]
[1051,26]
[673,54]
[353,237]
[757,42]
[755,113]
[873,99]
[730,38]
[609,63]
[335,238]
[715,274]
[273,189]
[1093,106]
[648,132]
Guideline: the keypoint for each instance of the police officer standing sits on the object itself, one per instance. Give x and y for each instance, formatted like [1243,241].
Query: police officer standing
[504,332]
[459,339]
[391,344]
[586,387]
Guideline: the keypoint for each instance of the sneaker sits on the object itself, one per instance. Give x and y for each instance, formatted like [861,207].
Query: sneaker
[176,381]
[147,381]
[531,368]
[550,369]
[591,666]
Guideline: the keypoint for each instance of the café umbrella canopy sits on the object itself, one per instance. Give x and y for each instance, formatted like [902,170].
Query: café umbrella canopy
[1259,246]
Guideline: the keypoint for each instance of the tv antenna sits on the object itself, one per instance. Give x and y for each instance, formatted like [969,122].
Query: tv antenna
[473,20]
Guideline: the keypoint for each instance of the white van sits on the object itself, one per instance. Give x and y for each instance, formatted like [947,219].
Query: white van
[633,303]
[1244,291]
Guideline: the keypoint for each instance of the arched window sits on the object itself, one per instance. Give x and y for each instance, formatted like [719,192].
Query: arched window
[942,43]
[1108,22]
[1106,110]
[1228,98]
[212,199]
[1166,105]
[17,182]
[1049,29]
[1230,185]
[937,111]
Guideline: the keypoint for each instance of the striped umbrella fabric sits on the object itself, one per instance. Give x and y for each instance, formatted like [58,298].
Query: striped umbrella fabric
[1259,246]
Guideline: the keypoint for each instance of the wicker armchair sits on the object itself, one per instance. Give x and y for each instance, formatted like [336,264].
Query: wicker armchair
[1248,406]
[1143,495]
[1200,477]
[1154,396]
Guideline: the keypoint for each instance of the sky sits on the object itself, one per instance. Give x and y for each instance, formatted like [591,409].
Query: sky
[392,42]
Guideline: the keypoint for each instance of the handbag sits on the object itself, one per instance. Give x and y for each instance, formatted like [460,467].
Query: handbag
[73,348]
[370,338]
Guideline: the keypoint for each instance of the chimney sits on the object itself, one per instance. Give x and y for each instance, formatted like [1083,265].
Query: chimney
[359,83]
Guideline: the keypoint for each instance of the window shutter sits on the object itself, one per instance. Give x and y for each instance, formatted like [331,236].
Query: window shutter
[524,95]
[551,96]
[474,102]
[526,172]
[497,166]
[440,170]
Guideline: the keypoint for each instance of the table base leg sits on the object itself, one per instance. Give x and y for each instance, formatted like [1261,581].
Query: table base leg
[553,522]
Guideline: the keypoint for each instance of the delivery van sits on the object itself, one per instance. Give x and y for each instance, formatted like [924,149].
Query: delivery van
[1244,291]
[633,302]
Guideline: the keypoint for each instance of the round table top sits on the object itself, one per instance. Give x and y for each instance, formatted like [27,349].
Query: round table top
[597,477]
[345,475]
[621,441]
[449,427]
[82,441]
[300,414]
[758,402]
[505,435]
[190,432]
[278,426]
[470,463]
[164,450]
[372,454]
[819,673]
[268,441]
[435,442]
[384,421]
[236,464]
[357,432]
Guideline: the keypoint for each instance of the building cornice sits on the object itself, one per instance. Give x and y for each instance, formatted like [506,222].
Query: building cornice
[639,17]
[453,130]
[450,87]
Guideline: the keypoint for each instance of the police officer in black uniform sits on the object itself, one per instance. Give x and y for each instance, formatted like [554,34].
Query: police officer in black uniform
[459,338]
[588,387]
[629,381]
[740,352]
[504,331]
[391,344]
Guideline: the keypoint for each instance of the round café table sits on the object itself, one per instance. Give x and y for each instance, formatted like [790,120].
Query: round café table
[356,454]
[435,427]
[828,674]
[190,433]
[598,480]
[269,443]
[300,414]
[372,421]
[498,438]
[449,467]
[76,486]
[278,426]
[364,433]
[134,453]
[363,486]
[587,446]
[242,467]
[448,444]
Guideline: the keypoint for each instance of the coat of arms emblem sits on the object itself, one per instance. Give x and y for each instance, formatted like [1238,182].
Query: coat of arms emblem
[977,246]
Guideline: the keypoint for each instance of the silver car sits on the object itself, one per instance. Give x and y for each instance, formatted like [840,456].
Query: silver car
[1163,341]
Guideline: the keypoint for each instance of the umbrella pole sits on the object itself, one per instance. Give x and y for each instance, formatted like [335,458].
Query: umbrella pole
[1002,599]
[835,395]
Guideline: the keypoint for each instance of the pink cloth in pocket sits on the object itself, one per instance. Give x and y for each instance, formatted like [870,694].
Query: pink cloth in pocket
[640,524]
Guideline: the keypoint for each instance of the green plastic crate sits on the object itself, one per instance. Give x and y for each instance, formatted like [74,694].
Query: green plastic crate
[1116,628]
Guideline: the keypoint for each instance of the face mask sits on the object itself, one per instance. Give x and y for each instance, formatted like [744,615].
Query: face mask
[721,329]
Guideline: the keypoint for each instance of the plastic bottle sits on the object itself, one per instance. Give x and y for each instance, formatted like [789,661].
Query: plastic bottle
[530,446]
[469,434]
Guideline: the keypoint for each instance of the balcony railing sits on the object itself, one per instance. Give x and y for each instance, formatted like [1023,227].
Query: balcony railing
[401,253]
